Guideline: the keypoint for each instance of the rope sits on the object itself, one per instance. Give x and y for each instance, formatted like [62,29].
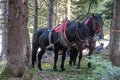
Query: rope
[115,31]
[50,42]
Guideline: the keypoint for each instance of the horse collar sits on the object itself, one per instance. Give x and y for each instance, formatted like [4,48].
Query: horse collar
[63,37]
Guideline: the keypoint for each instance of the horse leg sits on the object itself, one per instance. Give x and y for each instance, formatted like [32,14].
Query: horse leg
[39,58]
[71,58]
[34,52]
[75,58]
[62,63]
[89,57]
[80,57]
[55,60]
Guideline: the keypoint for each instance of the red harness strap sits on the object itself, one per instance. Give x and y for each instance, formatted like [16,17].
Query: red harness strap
[61,27]
[86,22]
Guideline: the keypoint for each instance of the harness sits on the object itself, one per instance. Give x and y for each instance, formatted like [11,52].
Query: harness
[63,37]
[49,39]
[96,31]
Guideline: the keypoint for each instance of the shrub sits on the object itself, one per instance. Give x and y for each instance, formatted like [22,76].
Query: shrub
[104,70]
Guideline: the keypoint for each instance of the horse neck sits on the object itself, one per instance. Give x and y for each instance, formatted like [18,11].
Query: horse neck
[90,27]
[71,31]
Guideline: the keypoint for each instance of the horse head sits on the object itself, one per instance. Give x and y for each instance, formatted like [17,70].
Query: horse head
[98,25]
[82,35]
[95,24]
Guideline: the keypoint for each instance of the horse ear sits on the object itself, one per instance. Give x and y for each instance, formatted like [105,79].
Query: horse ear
[93,15]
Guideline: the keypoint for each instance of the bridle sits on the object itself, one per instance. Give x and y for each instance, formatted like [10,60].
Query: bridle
[98,27]
[79,39]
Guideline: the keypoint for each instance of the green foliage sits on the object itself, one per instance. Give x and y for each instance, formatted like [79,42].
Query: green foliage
[80,10]
[104,70]
[30,73]
[42,14]
[71,73]
[83,8]
[5,74]
[108,10]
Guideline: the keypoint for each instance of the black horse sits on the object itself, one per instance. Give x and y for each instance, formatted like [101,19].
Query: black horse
[75,32]
[95,25]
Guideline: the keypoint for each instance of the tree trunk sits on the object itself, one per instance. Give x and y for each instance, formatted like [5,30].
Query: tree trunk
[56,12]
[4,26]
[115,48]
[50,13]
[18,42]
[68,9]
[35,15]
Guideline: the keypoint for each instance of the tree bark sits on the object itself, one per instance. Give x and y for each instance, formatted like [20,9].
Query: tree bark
[115,48]
[68,10]
[18,42]
[35,15]
[50,13]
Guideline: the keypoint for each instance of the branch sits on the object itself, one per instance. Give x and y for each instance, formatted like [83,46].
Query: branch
[50,8]
[87,12]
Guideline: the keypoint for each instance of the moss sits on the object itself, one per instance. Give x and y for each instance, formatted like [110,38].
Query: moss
[5,74]
[30,73]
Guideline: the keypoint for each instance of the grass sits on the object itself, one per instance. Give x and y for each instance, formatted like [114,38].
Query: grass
[69,74]
[2,67]
[4,73]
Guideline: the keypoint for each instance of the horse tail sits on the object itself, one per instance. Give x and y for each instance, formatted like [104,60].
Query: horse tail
[37,34]
[34,48]
[35,38]
[35,44]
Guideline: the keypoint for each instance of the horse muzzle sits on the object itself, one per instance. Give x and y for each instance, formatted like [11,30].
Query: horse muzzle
[85,43]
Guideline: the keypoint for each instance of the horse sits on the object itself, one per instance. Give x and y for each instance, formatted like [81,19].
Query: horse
[95,25]
[50,39]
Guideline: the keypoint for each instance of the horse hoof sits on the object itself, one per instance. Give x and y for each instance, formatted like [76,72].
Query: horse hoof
[40,69]
[89,65]
[77,67]
[62,70]
[55,70]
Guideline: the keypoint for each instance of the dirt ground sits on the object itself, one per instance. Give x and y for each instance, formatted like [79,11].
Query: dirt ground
[48,57]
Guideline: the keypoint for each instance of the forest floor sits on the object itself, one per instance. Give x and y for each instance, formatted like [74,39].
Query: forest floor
[71,72]
[48,74]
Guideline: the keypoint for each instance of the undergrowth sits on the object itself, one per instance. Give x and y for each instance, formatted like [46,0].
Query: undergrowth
[102,69]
